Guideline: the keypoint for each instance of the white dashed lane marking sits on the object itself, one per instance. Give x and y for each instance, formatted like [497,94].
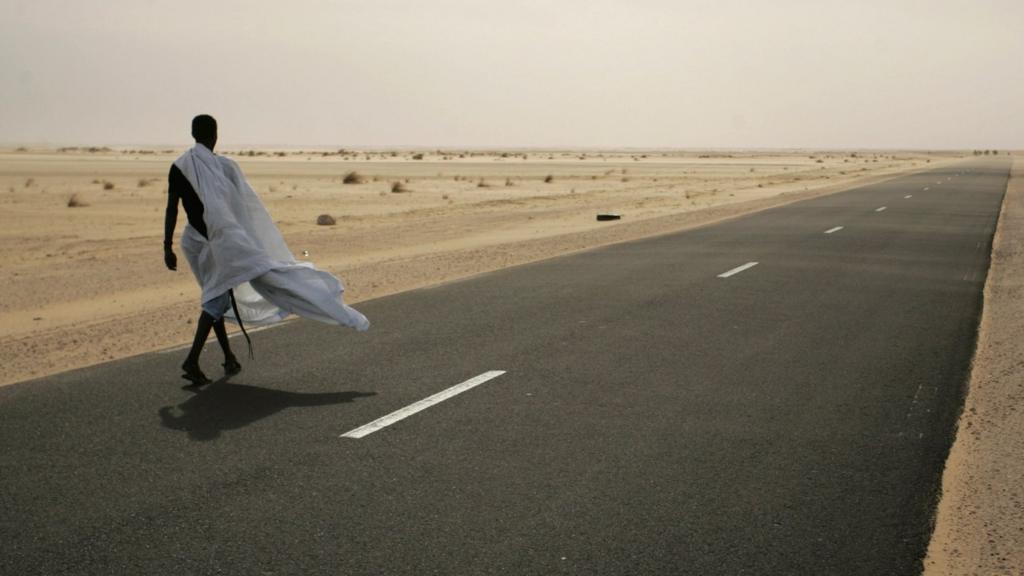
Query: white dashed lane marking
[881,208]
[737,270]
[421,405]
[833,230]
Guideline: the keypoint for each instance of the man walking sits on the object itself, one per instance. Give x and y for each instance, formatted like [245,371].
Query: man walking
[245,269]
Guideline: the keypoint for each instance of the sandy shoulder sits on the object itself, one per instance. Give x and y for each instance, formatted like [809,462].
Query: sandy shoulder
[980,520]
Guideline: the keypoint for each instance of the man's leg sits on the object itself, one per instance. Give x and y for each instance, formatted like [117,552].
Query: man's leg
[231,365]
[191,365]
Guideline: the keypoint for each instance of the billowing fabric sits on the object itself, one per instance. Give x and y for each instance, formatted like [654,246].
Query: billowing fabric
[218,307]
[246,252]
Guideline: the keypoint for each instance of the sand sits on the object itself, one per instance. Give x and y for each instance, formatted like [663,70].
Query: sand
[979,525]
[87,284]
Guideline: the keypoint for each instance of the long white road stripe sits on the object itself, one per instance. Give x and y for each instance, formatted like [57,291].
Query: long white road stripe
[421,405]
[880,209]
[737,270]
[831,230]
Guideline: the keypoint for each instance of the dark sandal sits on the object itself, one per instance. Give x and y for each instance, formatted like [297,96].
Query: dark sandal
[194,375]
[231,367]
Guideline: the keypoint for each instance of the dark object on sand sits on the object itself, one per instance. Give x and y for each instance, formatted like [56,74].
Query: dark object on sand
[325,220]
[608,216]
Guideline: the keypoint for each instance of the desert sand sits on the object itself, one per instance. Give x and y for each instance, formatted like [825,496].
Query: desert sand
[979,525]
[86,283]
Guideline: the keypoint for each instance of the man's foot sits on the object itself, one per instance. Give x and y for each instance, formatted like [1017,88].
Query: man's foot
[194,375]
[231,366]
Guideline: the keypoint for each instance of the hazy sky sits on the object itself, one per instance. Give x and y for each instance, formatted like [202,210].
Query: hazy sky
[645,73]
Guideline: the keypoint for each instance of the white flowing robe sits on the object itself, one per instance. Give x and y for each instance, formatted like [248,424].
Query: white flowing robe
[245,252]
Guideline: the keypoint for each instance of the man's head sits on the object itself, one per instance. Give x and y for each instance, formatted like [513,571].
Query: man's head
[204,130]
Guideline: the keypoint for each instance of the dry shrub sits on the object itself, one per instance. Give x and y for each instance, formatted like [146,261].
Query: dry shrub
[325,220]
[352,178]
[482,184]
[417,156]
[75,202]
[549,179]
[29,182]
[508,182]
[108,185]
[398,188]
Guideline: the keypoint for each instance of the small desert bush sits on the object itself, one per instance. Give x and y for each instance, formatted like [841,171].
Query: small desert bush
[417,156]
[108,185]
[482,184]
[29,182]
[398,188]
[352,178]
[508,182]
[549,179]
[325,220]
[75,202]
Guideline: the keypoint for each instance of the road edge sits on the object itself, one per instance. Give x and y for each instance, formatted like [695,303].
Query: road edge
[979,521]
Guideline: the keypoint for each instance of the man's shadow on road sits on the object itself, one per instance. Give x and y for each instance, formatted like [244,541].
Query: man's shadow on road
[224,406]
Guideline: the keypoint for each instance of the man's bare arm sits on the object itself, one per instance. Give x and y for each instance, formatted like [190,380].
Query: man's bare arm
[170,221]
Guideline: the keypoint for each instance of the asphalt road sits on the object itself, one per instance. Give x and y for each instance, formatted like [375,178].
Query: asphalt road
[653,417]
